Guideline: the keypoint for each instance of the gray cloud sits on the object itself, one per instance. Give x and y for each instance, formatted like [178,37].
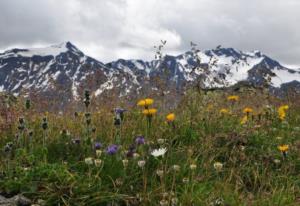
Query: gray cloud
[111,29]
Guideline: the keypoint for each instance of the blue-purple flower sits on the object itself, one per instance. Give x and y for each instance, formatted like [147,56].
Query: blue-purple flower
[119,110]
[98,145]
[119,115]
[112,149]
[139,140]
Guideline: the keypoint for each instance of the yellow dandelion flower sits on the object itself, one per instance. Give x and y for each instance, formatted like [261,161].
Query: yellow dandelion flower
[282,111]
[233,98]
[283,148]
[224,111]
[247,110]
[149,112]
[170,117]
[244,120]
[145,102]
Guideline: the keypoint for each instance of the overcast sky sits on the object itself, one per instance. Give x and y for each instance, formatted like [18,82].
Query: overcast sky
[111,29]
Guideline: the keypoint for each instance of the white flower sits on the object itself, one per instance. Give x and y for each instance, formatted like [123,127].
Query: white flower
[125,162]
[159,152]
[176,168]
[161,141]
[193,166]
[88,161]
[98,162]
[160,173]
[141,163]
[98,153]
[218,166]
[276,161]
[136,155]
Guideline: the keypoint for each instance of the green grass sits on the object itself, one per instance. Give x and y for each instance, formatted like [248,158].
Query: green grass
[254,171]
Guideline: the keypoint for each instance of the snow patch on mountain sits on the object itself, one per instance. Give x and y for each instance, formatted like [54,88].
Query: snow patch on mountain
[48,51]
[284,76]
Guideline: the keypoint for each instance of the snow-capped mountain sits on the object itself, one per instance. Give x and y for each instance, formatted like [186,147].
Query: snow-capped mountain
[64,71]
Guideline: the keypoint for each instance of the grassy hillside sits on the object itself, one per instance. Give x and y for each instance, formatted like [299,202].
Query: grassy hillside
[217,148]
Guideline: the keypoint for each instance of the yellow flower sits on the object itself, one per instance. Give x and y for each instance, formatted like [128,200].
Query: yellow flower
[282,111]
[149,112]
[283,148]
[145,102]
[170,117]
[244,120]
[224,111]
[233,98]
[247,110]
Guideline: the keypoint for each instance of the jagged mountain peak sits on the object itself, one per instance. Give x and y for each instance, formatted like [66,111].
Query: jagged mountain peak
[53,50]
[63,68]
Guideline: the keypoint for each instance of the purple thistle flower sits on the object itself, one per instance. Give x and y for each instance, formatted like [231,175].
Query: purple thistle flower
[98,145]
[139,140]
[112,149]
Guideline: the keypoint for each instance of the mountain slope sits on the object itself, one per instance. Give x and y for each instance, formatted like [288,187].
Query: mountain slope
[64,71]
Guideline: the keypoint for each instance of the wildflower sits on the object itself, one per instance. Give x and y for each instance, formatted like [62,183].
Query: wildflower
[159,152]
[277,161]
[136,155]
[193,166]
[185,180]
[161,141]
[170,117]
[160,173]
[98,152]
[139,140]
[233,98]
[224,111]
[97,162]
[119,182]
[282,111]
[98,145]
[112,149]
[176,168]
[244,120]
[247,110]
[141,163]
[149,112]
[283,148]
[145,102]
[164,203]
[120,112]
[88,161]
[125,163]
[218,166]
[119,116]
[174,200]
